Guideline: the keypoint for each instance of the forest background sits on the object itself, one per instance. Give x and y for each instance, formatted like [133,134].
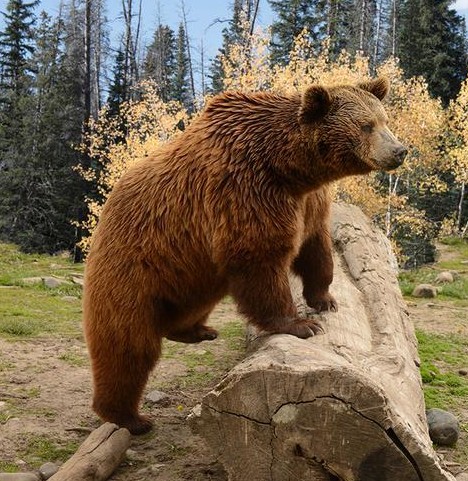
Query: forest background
[77,109]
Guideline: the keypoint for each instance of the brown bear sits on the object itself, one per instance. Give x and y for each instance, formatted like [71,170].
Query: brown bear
[231,205]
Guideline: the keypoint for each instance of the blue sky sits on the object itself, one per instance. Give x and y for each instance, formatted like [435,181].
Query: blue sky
[200,17]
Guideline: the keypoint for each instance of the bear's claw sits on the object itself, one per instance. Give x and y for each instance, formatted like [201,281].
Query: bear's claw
[326,303]
[302,328]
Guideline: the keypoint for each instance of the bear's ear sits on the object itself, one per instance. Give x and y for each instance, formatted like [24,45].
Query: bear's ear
[315,104]
[378,87]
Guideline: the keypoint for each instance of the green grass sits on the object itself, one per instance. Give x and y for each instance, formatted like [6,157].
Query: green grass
[459,247]
[456,291]
[73,359]
[234,334]
[441,358]
[28,311]
[7,467]
[41,449]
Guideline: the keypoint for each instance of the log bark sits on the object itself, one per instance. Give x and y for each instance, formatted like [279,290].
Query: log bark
[346,405]
[98,457]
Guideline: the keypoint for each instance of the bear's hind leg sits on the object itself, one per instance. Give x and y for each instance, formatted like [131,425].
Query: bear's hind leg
[118,391]
[122,359]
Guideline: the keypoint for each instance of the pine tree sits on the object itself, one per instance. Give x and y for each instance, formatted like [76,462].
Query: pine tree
[118,89]
[16,114]
[181,87]
[58,131]
[338,24]
[432,44]
[16,43]
[292,17]
[160,63]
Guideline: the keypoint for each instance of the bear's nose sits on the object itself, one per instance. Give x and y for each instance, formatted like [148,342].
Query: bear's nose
[400,153]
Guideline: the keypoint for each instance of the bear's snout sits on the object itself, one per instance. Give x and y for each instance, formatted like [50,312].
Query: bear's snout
[390,152]
[399,154]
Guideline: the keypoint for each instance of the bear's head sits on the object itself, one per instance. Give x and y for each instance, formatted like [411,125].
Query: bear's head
[347,127]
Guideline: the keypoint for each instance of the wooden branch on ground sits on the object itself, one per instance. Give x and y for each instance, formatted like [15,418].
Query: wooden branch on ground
[343,406]
[98,457]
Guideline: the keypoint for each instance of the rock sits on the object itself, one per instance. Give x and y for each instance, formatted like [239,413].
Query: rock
[131,455]
[424,290]
[78,280]
[158,397]
[463,372]
[54,282]
[444,277]
[29,281]
[444,428]
[47,470]
[3,406]
[19,477]
[462,477]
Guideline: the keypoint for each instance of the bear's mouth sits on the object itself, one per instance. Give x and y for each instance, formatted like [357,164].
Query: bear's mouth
[387,165]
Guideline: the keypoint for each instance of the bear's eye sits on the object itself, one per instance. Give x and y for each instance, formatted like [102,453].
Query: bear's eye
[367,128]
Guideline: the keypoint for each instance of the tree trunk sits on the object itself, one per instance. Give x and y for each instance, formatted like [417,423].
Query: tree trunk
[460,209]
[346,405]
[98,457]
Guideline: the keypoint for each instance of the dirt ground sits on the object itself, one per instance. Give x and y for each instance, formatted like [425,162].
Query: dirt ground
[46,398]
[45,388]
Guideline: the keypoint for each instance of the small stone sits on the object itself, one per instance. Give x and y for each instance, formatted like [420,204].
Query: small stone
[78,280]
[444,428]
[424,290]
[445,277]
[19,477]
[54,282]
[3,406]
[47,470]
[463,372]
[158,397]
[131,455]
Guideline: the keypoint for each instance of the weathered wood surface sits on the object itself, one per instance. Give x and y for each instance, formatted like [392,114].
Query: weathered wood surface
[98,457]
[346,405]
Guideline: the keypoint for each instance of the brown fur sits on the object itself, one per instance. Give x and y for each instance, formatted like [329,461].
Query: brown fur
[229,206]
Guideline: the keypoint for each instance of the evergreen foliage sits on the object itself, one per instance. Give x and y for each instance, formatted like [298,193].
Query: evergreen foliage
[432,44]
[292,17]
[181,88]
[160,61]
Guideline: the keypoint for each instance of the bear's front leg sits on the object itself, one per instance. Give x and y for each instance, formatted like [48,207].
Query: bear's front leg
[314,264]
[263,295]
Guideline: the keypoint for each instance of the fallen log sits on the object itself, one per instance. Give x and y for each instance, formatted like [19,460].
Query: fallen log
[346,405]
[98,457]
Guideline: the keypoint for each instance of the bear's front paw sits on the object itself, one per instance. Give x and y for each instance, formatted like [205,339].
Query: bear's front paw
[323,302]
[302,328]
